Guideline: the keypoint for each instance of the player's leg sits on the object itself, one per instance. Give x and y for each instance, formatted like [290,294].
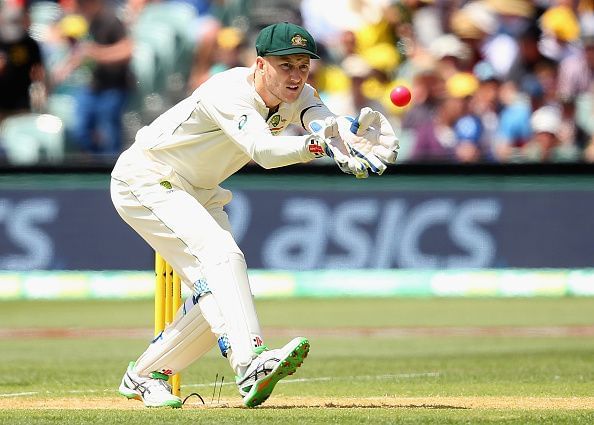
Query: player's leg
[256,382]
[177,226]
[187,338]
[192,241]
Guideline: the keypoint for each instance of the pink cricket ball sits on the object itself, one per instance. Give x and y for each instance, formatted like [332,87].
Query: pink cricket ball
[400,96]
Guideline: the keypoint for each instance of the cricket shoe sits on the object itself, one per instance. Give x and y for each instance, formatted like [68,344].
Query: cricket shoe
[269,367]
[153,390]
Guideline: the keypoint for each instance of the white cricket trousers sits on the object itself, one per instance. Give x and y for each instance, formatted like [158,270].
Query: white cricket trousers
[190,229]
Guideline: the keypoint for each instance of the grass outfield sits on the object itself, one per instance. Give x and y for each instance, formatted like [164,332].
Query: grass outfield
[382,360]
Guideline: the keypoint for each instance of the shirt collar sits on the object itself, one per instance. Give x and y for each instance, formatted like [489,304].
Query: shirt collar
[251,81]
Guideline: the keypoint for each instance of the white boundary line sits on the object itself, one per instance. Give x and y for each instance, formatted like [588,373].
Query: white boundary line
[333,378]
[19,394]
[290,381]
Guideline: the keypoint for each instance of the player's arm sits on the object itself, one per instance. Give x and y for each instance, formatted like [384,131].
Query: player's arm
[245,127]
[369,137]
[310,109]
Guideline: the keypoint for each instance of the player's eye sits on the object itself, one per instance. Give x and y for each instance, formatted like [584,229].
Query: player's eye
[304,68]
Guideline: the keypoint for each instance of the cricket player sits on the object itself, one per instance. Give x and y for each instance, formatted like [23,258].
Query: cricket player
[166,187]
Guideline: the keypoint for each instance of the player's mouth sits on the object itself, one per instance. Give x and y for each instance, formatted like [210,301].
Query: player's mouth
[293,87]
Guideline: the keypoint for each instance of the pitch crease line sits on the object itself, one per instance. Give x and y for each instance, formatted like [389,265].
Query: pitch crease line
[328,378]
[291,381]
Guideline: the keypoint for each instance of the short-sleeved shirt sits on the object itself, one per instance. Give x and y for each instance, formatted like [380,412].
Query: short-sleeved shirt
[20,56]
[514,124]
[105,29]
[469,129]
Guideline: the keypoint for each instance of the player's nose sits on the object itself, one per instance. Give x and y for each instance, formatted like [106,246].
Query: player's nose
[294,76]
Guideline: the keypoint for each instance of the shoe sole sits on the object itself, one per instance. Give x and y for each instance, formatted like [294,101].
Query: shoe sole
[134,396]
[130,396]
[287,366]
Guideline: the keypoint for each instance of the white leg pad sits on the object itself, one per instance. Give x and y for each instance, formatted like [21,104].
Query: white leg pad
[187,339]
[228,282]
[196,240]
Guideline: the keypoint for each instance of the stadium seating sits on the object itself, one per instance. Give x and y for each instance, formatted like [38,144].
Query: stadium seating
[144,67]
[169,28]
[179,17]
[62,106]
[31,138]
[162,39]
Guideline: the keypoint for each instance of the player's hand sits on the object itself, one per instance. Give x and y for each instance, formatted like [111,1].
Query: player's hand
[371,138]
[325,141]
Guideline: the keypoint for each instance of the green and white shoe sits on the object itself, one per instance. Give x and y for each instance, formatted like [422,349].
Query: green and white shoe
[154,390]
[269,367]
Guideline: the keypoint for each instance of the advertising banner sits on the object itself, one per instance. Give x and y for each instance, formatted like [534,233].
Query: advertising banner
[335,227]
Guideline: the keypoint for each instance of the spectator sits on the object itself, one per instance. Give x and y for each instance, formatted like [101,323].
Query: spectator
[525,54]
[468,129]
[425,21]
[513,130]
[228,54]
[585,100]
[478,24]
[546,145]
[206,28]
[60,43]
[453,133]
[450,53]
[20,64]
[101,104]
[561,31]
[529,54]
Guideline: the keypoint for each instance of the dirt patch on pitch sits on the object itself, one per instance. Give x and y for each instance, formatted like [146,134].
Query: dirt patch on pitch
[522,403]
[383,332]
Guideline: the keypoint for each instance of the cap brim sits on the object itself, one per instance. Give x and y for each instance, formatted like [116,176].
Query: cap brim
[293,51]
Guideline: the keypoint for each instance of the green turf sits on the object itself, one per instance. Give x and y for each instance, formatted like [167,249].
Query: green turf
[300,416]
[339,366]
[321,312]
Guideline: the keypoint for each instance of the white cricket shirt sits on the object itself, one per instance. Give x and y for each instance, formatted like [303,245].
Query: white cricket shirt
[221,127]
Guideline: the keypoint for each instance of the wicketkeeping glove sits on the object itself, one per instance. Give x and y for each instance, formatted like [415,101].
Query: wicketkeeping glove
[325,141]
[371,138]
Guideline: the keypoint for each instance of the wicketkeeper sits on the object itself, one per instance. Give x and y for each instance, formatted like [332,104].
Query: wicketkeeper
[166,187]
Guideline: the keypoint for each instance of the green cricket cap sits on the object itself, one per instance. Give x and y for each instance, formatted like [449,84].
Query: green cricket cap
[285,38]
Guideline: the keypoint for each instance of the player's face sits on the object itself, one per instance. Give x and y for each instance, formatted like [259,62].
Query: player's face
[285,76]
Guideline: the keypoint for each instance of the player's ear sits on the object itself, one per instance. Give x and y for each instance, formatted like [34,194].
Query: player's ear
[260,62]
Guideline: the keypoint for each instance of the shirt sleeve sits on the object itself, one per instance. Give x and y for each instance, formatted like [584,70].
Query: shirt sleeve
[310,108]
[514,125]
[242,123]
[573,77]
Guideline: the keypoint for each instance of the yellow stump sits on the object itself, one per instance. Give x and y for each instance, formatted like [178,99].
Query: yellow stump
[159,294]
[167,302]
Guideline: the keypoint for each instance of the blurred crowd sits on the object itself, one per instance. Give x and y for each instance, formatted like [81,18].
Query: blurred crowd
[492,80]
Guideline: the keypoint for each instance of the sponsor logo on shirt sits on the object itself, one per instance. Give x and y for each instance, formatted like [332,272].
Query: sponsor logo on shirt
[276,124]
[242,121]
[315,148]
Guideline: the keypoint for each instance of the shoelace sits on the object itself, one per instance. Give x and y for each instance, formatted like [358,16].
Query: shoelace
[149,384]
